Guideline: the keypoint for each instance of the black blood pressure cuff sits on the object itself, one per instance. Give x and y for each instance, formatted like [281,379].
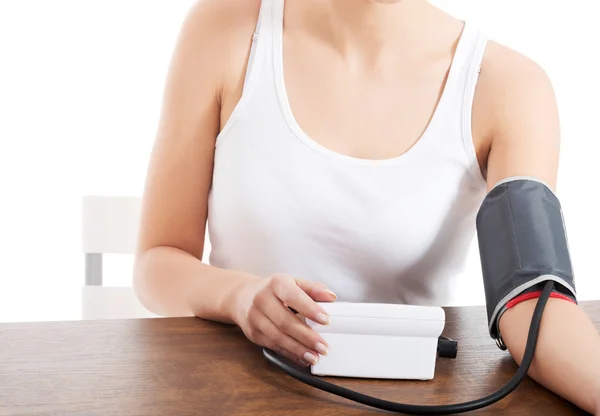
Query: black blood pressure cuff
[522,244]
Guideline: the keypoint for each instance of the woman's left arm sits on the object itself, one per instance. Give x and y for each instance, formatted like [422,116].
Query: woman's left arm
[524,140]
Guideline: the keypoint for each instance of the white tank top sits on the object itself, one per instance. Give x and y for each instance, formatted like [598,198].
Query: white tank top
[396,230]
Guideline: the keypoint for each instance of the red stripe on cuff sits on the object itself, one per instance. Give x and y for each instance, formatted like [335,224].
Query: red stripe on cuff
[534,295]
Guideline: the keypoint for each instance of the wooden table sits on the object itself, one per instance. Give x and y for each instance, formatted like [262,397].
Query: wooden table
[187,366]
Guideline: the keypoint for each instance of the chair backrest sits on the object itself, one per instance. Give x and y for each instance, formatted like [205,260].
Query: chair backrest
[110,225]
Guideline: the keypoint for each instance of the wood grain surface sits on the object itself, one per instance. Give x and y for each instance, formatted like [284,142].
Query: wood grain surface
[188,366]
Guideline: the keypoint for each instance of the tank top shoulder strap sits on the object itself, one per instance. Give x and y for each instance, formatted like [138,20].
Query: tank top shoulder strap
[451,122]
[470,57]
[467,57]
[467,77]
[258,64]
[261,42]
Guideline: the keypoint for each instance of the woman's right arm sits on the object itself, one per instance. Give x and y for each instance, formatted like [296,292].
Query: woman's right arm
[169,277]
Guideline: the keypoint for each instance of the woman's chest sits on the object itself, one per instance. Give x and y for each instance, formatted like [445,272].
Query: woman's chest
[301,199]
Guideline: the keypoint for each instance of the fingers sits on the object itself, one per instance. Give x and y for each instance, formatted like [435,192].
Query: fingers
[290,356]
[284,343]
[280,351]
[265,341]
[288,323]
[269,320]
[291,294]
[317,291]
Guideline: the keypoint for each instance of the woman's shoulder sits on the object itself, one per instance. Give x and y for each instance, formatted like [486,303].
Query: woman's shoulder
[506,69]
[215,36]
[229,18]
[235,17]
[514,95]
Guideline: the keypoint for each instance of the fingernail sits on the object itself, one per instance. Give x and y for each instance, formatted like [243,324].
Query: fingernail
[310,358]
[322,348]
[331,293]
[324,319]
[304,363]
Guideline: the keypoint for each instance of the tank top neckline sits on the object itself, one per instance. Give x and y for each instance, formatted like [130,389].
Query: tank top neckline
[426,136]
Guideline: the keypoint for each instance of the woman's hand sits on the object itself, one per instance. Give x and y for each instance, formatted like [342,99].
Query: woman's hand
[262,313]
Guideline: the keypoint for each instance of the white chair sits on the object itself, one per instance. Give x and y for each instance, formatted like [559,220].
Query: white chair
[110,226]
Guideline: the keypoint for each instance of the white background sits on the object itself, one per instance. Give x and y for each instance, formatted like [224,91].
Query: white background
[80,91]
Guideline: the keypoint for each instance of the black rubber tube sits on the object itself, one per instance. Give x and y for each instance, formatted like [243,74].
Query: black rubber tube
[413,409]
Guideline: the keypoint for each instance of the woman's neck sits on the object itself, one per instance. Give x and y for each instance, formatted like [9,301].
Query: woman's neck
[368,30]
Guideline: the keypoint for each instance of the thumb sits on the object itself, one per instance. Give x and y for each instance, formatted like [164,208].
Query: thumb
[319,292]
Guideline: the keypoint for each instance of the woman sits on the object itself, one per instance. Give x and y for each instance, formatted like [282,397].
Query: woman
[342,148]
